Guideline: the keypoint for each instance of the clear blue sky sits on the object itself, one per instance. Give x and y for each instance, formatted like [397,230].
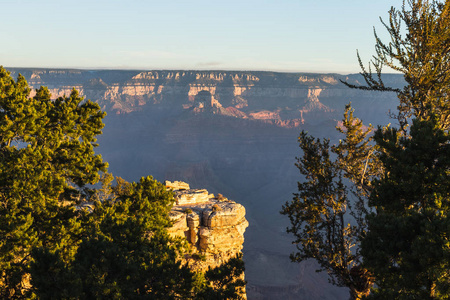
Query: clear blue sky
[276,35]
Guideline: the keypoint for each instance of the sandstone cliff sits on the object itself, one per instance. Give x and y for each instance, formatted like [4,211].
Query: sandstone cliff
[213,226]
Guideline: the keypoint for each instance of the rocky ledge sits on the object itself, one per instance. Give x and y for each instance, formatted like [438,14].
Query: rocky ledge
[213,225]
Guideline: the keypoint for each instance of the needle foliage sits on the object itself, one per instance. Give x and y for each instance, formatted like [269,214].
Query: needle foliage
[64,237]
[396,242]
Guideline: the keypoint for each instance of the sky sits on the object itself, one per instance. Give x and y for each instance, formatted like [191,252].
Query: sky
[271,35]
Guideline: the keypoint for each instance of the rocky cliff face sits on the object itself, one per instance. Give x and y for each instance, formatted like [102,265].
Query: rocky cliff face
[214,226]
[282,99]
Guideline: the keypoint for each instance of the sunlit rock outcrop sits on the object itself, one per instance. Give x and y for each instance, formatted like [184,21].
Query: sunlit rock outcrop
[213,225]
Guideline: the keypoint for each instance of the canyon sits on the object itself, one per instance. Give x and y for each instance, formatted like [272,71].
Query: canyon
[229,132]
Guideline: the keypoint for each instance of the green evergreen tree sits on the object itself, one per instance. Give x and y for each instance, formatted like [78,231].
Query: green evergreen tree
[61,238]
[326,224]
[406,246]
[225,281]
[124,254]
[405,197]
[419,49]
[400,184]
[47,154]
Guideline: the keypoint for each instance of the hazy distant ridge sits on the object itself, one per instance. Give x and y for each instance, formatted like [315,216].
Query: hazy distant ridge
[282,99]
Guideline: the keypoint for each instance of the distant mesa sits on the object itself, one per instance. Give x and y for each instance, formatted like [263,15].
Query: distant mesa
[281,99]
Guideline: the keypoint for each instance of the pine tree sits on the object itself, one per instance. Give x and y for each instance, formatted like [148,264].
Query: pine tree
[405,243]
[406,246]
[400,183]
[47,152]
[225,281]
[327,225]
[419,49]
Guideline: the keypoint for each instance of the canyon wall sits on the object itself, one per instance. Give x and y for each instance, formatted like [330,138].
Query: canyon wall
[282,99]
[229,132]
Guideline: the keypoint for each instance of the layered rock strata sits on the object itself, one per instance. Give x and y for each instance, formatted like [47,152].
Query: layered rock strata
[214,226]
[283,99]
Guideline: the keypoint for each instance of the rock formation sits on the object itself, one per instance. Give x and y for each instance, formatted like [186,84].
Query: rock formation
[284,100]
[214,226]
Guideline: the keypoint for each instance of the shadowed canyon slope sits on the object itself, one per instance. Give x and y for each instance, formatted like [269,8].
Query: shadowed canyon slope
[233,133]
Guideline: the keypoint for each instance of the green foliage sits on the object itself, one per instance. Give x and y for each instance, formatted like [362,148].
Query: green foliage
[407,245]
[47,152]
[406,239]
[418,48]
[106,268]
[319,208]
[401,184]
[320,212]
[60,238]
[356,154]
[225,281]
[147,201]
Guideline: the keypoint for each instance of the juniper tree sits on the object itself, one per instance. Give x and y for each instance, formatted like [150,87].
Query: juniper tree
[403,228]
[406,246]
[419,48]
[328,216]
[124,253]
[47,153]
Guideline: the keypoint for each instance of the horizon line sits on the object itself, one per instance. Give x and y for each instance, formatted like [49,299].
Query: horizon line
[187,70]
